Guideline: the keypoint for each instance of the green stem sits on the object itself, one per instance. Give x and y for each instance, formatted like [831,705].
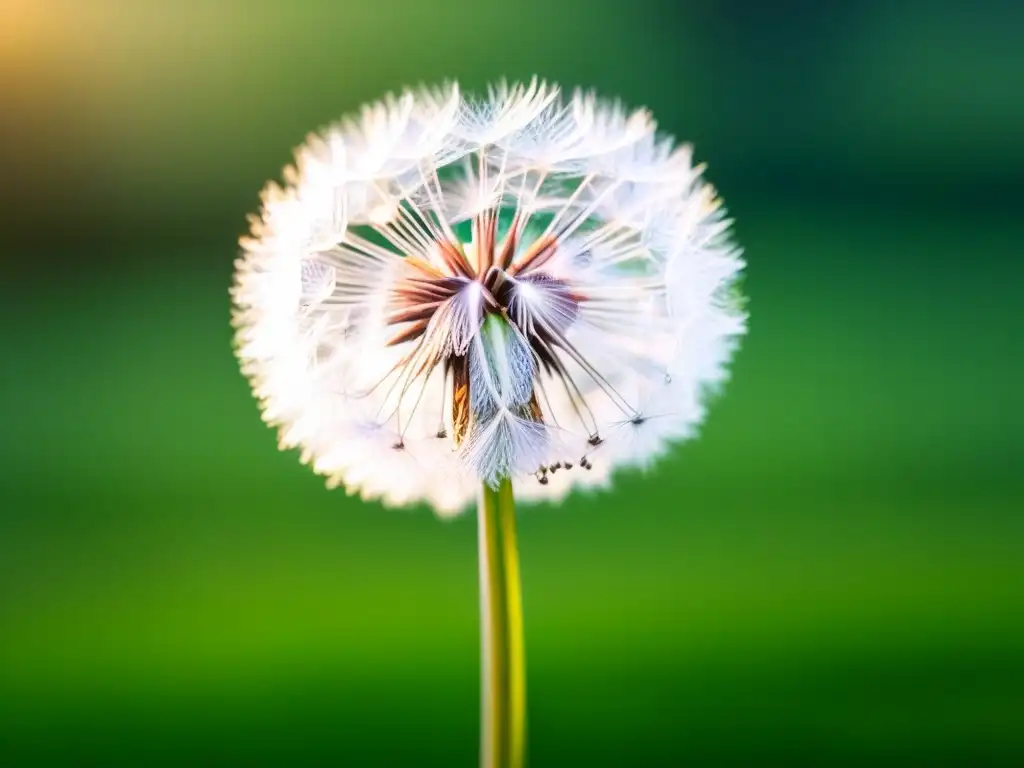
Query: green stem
[503,688]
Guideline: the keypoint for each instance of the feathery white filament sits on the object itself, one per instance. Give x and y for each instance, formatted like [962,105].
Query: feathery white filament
[450,290]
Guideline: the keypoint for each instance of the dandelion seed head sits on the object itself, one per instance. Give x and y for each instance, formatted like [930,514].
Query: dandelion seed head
[450,289]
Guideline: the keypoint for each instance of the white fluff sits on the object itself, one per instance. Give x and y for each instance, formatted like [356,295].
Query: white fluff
[376,272]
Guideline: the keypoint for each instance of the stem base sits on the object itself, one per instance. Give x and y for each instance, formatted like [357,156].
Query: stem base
[503,668]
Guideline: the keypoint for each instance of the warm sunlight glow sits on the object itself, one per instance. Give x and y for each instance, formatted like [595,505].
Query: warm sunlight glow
[27,29]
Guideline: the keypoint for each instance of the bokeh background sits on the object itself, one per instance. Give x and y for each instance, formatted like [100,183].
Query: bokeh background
[831,575]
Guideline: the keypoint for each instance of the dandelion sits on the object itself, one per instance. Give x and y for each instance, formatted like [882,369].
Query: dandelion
[454,298]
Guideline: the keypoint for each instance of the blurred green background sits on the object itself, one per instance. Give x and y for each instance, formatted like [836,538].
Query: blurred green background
[831,575]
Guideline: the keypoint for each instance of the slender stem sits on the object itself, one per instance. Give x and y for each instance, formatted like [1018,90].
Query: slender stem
[503,678]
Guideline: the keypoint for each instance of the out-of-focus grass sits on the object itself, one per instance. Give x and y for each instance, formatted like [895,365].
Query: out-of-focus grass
[832,570]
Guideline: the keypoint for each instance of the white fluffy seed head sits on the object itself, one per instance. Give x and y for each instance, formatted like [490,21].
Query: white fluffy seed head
[451,290]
